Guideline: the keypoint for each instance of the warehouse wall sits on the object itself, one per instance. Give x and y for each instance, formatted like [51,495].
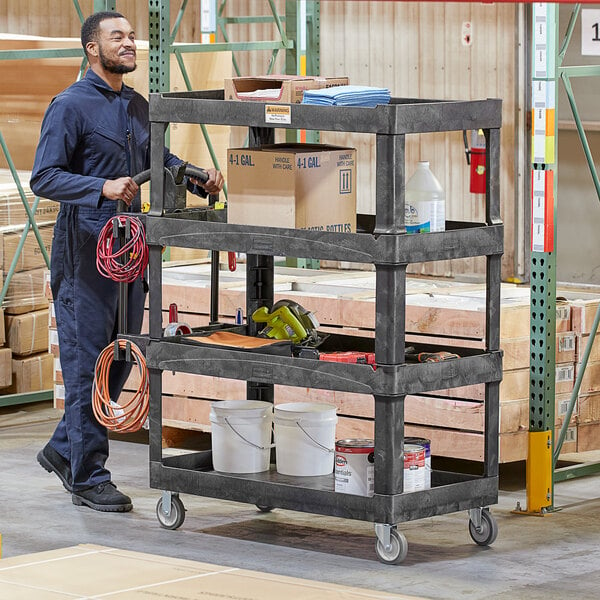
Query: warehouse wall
[416,50]
[413,48]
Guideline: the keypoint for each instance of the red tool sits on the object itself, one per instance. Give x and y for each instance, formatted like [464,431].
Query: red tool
[232,261]
[365,358]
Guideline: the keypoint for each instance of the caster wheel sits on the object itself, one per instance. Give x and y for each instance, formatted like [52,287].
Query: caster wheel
[487,533]
[397,551]
[264,508]
[177,516]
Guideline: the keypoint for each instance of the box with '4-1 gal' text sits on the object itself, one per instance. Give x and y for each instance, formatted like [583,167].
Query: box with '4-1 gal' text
[297,186]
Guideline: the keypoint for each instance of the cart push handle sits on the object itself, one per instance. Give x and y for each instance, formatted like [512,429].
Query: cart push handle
[177,173]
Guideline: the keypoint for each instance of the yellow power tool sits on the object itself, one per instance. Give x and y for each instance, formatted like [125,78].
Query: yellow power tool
[286,320]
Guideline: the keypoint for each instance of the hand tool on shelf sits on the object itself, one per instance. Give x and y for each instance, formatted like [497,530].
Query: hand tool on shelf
[423,357]
[349,356]
[175,327]
[287,320]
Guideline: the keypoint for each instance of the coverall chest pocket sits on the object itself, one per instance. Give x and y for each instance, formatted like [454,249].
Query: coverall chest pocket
[109,152]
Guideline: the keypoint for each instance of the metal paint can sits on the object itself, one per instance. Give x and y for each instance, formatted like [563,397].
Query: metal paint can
[427,445]
[354,470]
[414,468]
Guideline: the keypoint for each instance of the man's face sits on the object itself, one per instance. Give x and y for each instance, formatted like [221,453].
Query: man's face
[116,46]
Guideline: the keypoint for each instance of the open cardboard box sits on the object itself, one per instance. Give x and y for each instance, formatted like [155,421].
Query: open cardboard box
[286,89]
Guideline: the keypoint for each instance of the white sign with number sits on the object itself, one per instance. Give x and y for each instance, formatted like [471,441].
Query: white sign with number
[590,32]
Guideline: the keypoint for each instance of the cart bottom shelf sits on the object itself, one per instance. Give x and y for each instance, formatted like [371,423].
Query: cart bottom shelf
[450,492]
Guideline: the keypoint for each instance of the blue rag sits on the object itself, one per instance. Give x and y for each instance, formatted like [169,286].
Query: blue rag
[347,95]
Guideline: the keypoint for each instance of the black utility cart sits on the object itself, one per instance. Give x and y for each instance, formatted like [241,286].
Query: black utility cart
[387,247]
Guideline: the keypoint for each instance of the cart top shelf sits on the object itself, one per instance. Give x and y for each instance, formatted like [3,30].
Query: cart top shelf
[401,116]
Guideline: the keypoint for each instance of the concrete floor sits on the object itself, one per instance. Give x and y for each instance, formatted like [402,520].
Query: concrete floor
[533,557]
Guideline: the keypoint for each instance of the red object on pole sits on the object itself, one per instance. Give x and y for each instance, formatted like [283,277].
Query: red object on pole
[232,261]
[477,170]
[173,316]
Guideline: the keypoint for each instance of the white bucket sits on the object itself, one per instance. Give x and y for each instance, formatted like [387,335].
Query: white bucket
[241,435]
[305,438]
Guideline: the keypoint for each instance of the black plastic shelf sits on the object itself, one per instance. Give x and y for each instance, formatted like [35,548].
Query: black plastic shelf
[450,492]
[401,116]
[460,240]
[385,380]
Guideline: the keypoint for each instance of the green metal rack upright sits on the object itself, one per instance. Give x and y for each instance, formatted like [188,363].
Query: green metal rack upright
[547,72]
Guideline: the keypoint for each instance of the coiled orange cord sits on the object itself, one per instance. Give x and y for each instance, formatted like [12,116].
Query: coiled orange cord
[127,417]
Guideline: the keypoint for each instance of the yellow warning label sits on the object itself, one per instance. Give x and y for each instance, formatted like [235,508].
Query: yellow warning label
[278,113]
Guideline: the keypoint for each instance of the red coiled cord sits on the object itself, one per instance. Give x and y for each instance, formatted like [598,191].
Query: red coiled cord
[129,416]
[126,263]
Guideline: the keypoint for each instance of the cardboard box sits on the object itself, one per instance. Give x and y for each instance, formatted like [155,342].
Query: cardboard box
[570,443]
[31,256]
[588,406]
[588,437]
[12,210]
[5,367]
[301,186]
[47,288]
[32,374]
[27,333]
[57,371]
[26,292]
[285,89]
[517,351]
[53,347]
[59,396]
[561,405]
[590,380]
[51,315]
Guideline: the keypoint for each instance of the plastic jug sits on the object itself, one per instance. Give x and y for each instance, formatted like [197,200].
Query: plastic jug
[424,202]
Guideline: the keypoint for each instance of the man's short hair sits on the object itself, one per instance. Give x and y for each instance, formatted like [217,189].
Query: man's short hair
[91,26]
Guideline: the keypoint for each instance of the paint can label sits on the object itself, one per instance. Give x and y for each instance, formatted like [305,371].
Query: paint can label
[426,443]
[414,468]
[355,467]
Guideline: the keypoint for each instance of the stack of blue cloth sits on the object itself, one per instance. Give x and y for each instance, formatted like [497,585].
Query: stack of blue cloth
[347,95]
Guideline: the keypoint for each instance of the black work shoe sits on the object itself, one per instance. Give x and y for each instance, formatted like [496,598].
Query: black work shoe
[53,462]
[104,497]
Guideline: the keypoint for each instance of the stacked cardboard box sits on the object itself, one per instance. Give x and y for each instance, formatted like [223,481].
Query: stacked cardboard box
[584,306]
[25,307]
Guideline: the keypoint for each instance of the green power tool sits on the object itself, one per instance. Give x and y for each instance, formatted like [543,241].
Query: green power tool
[287,320]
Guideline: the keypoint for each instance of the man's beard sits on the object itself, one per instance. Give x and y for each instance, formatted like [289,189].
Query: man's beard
[113,67]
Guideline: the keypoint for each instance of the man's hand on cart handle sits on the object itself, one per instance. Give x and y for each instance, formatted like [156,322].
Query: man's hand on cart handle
[214,183]
[123,188]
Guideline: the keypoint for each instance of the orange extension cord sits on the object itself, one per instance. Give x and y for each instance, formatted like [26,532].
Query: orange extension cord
[127,417]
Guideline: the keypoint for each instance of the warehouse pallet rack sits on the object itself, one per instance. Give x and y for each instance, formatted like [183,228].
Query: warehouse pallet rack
[390,250]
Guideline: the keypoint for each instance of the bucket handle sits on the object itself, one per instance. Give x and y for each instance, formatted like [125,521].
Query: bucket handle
[312,439]
[244,439]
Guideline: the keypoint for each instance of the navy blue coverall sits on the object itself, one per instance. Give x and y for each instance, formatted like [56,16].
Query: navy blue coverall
[90,133]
